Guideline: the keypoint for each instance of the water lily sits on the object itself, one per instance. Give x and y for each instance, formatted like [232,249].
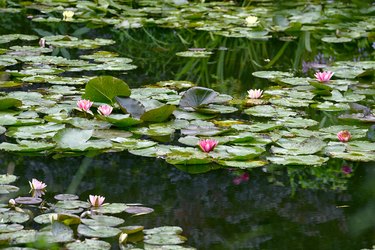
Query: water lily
[37,188]
[42,42]
[251,21]
[255,93]
[346,169]
[96,200]
[324,76]
[207,145]
[67,15]
[37,185]
[105,110]
[344,135]
[84,105]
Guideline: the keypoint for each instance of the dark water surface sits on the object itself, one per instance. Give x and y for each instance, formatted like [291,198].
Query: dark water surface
[286,208]
[213,211]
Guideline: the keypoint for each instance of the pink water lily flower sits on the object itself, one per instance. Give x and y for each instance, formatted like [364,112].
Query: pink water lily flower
[324,76]
[105,110]
[344,136]
[37,185]
[346,169]
[207,145]
[84,105]
[96,200]
[255,93]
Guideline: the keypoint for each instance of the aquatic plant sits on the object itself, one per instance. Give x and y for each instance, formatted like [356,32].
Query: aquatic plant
[324,76]
[207,145]
[255,93]
[346,169]
[84,105]
[37,185]
[344,135]
[96,200]
[105,110]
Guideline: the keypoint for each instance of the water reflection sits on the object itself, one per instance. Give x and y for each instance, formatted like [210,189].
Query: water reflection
[214,212]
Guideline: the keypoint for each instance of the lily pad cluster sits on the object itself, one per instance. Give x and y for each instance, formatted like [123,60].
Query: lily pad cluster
[75,224]
[146,121]
[260,21]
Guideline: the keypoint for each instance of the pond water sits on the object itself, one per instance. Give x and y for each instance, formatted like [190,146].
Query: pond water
[318,198]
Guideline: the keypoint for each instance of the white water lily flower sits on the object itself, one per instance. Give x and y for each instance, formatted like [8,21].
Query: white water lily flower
[251,21]
[67,15]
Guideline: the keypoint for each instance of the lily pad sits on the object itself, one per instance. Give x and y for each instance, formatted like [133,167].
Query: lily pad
[309,160]
[28,200]
[136,210]
[105,89]
[269,111]
[7,178]
[197,97]
[102,220]
[89,244]
[122,121]
[13,217]
[98,231]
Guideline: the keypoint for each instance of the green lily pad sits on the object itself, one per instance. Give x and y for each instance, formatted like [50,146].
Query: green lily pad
[187,156]
[184,115]
[8,228]
[242,164]
[194,54]
[310,160]
[297,122]
[78,140]
[19,237]
[13,217]
[154,151]
[298,146]
[6,189]
[132,106]
[98,231]
[158,114]
[164,239]
[6,103]
[131,229]
[216,109]
[269,111]
[88,244]
[330,106]
[35,132]
[122,121]
[112,208]
[105,89]
[28,200]
[63,197]
[272,75]
[333,39]
[59,233]
[102,220]
[171,230]
[137,210]
[175,84]
[347,97]
[67,219]
[197,97]
[7,178]
[72,204]
[290,102]
[26,146]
